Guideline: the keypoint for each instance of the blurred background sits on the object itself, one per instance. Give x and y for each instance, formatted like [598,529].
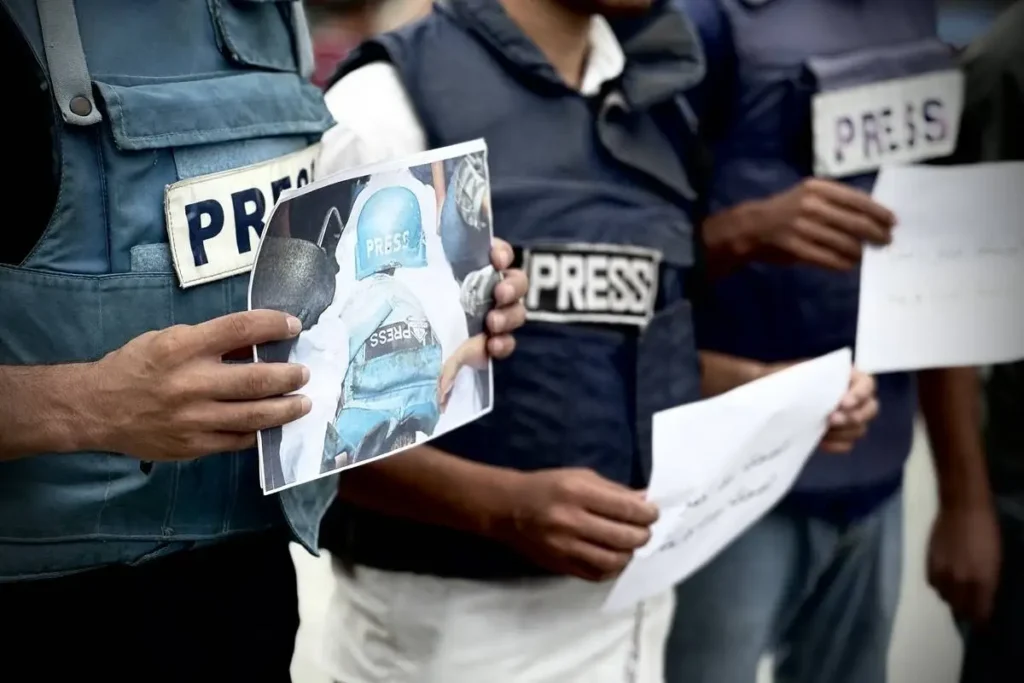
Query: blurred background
[926,648]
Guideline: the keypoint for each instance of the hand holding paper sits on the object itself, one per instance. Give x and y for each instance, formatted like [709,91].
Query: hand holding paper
[721,464]
[849,422]
[946,292]
[575,522]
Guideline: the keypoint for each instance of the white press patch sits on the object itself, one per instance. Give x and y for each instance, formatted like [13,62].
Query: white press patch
[901,121]
[215,222]
[610,284]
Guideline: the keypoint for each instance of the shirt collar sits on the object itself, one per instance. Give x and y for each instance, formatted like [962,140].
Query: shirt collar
[605,61]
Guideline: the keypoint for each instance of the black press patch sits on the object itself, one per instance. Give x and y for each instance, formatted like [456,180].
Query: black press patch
[611,284]
[404,335]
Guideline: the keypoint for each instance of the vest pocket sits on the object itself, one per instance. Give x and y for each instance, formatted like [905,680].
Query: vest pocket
[256,33]
[239,107]
[52,318]
[166,132]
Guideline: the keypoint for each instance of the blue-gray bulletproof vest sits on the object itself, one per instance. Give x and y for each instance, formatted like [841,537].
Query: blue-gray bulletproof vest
[166,91]
[564,170]
[785,51]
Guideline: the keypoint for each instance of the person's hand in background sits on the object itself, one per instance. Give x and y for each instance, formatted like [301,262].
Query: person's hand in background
[850,420]
[817,222]
[575,522]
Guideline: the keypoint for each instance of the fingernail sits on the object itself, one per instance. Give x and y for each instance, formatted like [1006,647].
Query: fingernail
[305,374]
[305,404]
[294,325]
[497,322]
[504,259]
[496,347]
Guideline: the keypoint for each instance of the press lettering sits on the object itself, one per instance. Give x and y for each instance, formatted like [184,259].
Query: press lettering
[205,221]
[279,186]
[249,208]
[618,302]
[844,136]
[899,121]
[869,125]
[911,125]
[215,222]
[935,121]
[389,244]
[873,135]
[887,131]
[397,337]
[570,294]
[597,278]
[639,274]
[543,276]
[603,285]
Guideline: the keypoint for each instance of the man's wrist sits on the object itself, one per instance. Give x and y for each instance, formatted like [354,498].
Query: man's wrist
[498,519]
[79,426]
[49,409]
[963,484]
[734,235]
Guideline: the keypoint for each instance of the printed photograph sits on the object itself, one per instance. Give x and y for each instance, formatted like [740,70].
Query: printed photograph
[388,268]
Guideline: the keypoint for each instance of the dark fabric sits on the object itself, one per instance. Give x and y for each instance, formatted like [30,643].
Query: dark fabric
[841,507]
[31,183]
[991,131]
[221,613]
[612,169]
[993,652]
[1004,431]
[754,110]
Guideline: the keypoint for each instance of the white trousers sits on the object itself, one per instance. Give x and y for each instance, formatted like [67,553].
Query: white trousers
[386,627]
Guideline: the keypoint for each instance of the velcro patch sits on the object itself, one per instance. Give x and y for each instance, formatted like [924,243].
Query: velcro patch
[610,284]
[899,121]
[405,335]
[215,222]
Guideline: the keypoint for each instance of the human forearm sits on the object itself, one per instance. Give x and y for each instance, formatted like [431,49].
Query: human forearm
[721,372]
[44,409]
[951,404]
[731,237]
[434,487]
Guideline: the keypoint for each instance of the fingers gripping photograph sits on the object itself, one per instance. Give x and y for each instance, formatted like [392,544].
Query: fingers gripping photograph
[388,269]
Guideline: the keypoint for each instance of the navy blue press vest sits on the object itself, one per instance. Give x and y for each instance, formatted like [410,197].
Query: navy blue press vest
[780,53]
[144,95]
[565,170]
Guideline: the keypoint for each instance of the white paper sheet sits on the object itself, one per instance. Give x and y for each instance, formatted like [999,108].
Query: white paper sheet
[388,346]
[722,464]
[947,291]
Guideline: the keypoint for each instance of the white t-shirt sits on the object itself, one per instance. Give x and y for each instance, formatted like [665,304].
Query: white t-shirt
[376,121]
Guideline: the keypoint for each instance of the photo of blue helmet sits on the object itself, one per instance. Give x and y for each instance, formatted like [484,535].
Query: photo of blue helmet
[389,233]
[465,229]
